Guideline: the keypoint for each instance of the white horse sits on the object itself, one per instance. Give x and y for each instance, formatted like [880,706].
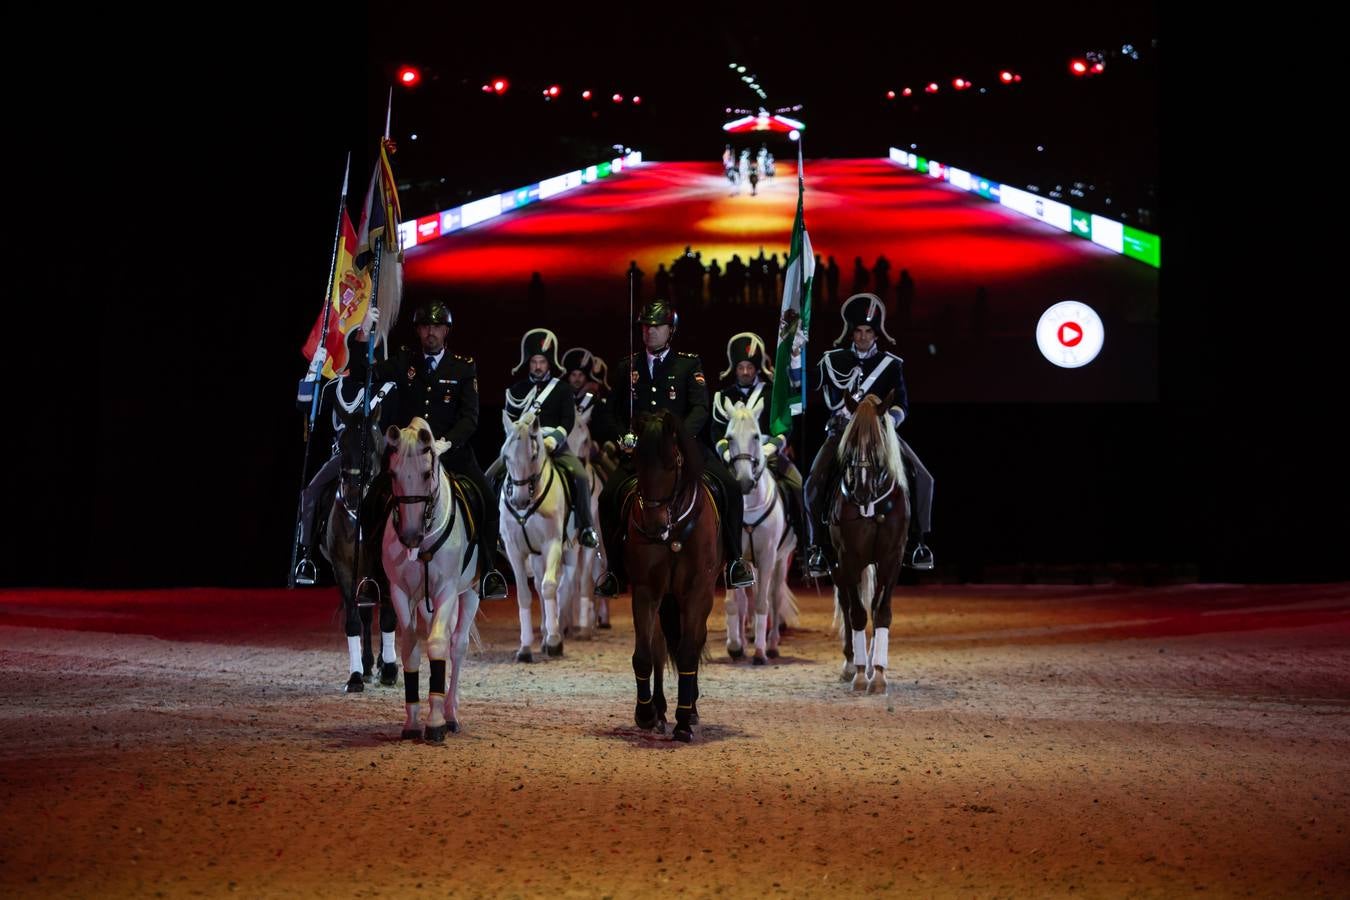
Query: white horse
[582,566]
[767,538]
[431,567]
[535,528]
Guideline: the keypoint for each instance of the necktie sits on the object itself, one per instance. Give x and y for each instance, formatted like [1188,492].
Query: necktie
[431,363]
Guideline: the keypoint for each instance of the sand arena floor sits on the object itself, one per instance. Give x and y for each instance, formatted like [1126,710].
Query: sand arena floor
[1037,741]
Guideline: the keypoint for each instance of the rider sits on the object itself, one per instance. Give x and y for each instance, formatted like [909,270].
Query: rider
[442,388]
[304,572]
[856,367]
[661,378]
[589,391]
[749,377]
[542,393]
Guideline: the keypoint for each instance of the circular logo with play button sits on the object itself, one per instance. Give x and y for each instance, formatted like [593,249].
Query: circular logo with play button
[1070,334]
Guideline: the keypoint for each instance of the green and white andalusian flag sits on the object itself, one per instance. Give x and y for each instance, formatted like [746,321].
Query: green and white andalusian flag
[794,324]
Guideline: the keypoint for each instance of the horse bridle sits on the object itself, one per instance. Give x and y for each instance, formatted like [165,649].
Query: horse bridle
[866,509]
[532,481]
[668,504]
[757,465]
[428,512]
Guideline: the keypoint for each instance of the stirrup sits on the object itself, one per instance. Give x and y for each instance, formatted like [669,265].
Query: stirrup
[816,565]
[367,593]
[306,573]
[739,575]
[921,558]
[607,586]
[493,586]
[589,538]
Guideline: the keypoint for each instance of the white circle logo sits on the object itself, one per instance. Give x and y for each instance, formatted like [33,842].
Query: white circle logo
[1070,334]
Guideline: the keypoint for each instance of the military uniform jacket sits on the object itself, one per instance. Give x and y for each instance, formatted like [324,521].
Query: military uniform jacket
[734,393]
[556,411]
[843,373]
[677,385]
[446,397]
[601,425]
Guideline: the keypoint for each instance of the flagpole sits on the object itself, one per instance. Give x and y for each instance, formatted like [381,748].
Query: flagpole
[378,250]
[805,322]
[318,381]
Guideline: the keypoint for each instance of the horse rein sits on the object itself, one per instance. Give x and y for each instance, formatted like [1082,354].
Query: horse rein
[866,509]
[533,482]
[668,504]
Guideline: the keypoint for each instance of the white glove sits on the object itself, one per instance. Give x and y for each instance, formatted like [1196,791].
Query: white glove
[770,448]
[723,452]
[897,415]
[316,364]
[371,320]
[550,443]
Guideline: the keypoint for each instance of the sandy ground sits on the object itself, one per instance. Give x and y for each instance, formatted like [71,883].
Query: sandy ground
[1037,741]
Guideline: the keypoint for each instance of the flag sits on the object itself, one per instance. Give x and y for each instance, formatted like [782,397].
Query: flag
[379,223]
[794,323]
[346,305]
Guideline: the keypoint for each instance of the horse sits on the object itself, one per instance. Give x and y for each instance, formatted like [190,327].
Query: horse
[339,548]
[535,528]
[577,607]
[673,551]
[768,537]
[431,560]
[869,522]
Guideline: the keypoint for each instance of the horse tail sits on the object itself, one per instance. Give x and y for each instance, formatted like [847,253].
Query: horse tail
[789,613]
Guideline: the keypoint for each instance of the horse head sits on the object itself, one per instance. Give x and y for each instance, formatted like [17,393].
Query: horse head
[744,443]
[415,478]
[667,461]
[869,451]
[524,454]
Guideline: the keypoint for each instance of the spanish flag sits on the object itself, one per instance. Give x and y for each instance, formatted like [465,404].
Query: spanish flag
[347,305]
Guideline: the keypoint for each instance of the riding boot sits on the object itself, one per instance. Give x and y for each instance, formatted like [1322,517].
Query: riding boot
[581,507]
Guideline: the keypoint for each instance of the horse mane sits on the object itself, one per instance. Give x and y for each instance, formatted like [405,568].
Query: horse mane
[870,434]
[657,429]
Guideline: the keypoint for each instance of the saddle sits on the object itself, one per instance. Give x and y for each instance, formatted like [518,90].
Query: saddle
[627,496]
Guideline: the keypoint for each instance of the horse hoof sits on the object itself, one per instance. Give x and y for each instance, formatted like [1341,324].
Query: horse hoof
[693,717]
[524,654]
[355,684]
[877,683]
[847,673]
[860,681]
[552,651]
[758,660]
[644,717]
[773,652]
[453,725]
[389,674]
[682,734]
[410,734]
[435,734]
[738,653]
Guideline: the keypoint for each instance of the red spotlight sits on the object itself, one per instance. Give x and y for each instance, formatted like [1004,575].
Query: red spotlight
[960,84]
[585,95]
[1005,76]
[1098,67]
[907,92]
[932,87]
[500,85]
[890,95]
[1078,67]
[409,76]
[617,98]
[1017,78]
[487,88]
[553,90]
[637,101]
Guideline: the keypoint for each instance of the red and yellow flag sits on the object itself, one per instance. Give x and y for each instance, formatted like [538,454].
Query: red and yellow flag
[348,304]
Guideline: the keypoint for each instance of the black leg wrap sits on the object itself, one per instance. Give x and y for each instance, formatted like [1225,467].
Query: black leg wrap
[410,687]
[388,618]
[437,685]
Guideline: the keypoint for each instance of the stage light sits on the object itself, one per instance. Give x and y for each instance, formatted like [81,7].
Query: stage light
[617,98]
[637,100]
[487,88]
[890,95]
[740,68]
[932,87]
[408,76]
[794,134]
[907,92]
[500,85]
[585,95]
[553,90]
[1005,76]
[731,65]
[1098,67]
[960,84]
[1078,67]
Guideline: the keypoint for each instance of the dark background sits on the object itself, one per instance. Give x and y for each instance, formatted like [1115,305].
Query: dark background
[173,216]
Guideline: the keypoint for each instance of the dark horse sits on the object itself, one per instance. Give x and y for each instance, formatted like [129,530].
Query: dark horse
[674,554]
[869,521]
[339,548]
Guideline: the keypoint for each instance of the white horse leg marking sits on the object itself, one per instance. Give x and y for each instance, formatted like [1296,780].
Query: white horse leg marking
[860,659]
[732,605]
[520,562]
[468,609]
[881,641]
[354,652]
[549,593]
